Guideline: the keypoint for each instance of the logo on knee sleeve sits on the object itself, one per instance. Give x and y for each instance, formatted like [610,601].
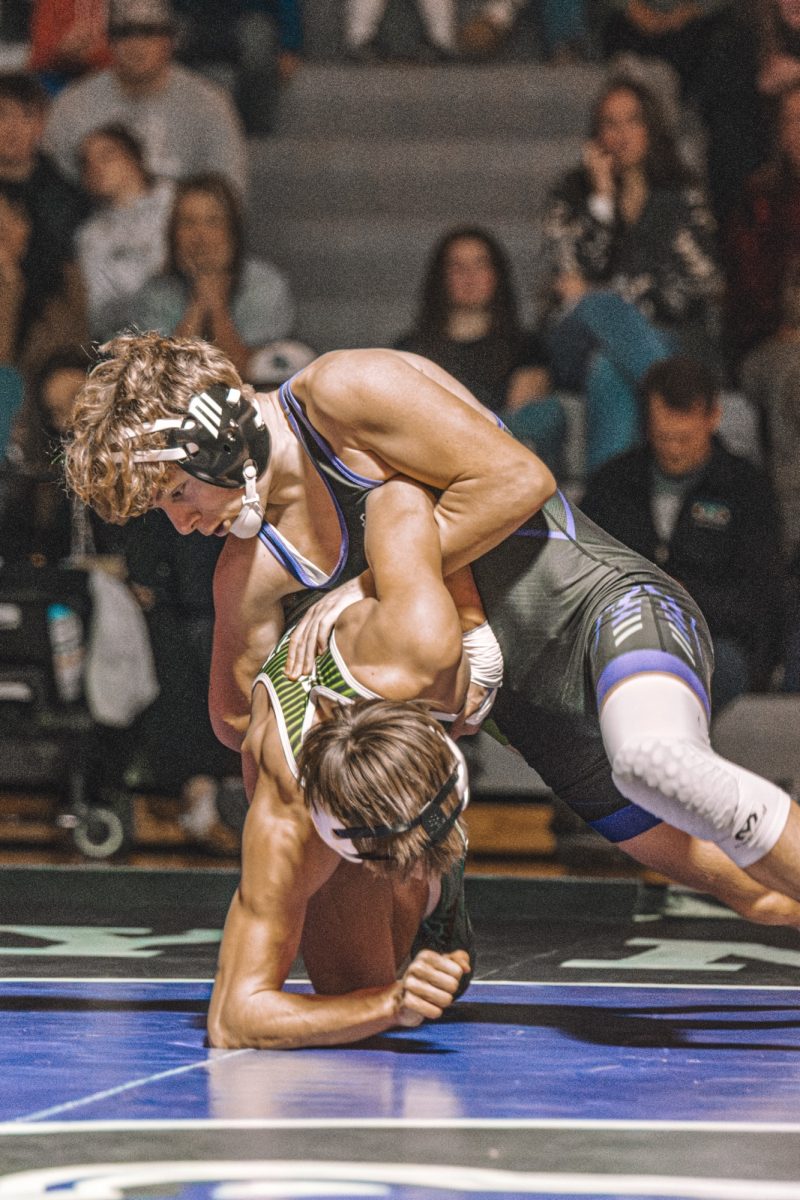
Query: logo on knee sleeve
[743,834]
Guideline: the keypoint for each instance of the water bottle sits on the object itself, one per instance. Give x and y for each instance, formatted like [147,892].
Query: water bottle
[66,639]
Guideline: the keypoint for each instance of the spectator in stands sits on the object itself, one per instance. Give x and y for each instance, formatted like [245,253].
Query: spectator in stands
[187,124]
[631,244]
[36,513]
[676,31]
[261,41]
[210,288]
[363,19]
[746,70]
[762,238]
[174,747]
[468,323]
[123,243]
[68,39]
[42,297]
[55,204]
[706,516]
[563,26]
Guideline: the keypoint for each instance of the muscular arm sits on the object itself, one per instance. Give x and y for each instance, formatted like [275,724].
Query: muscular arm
[283,865]
[248,623]
[405,643]
[281,868]
[386,416]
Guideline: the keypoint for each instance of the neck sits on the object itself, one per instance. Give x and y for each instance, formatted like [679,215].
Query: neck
[277,482]
[468,324]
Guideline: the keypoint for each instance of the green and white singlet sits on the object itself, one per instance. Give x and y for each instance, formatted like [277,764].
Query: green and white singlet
[294,700]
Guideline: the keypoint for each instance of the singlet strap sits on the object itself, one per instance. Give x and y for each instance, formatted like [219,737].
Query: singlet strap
[296,415]
[294,701]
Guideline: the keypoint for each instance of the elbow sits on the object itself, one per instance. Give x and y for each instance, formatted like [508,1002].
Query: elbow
[229,728]
[228,1028]
[534,484]
[221,1036]
[226,1035]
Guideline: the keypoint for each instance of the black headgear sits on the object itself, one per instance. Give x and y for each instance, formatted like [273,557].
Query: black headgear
[220,432]
[222,441]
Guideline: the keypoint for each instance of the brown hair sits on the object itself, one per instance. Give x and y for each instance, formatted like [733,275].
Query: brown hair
[139,378]
[663,164]
[682,382]
[378,762]
[218,188]
[130,145]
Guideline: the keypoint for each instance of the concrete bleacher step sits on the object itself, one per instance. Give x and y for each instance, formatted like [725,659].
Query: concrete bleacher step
[493,101]
[326,324]
[468,179]
[369,166]
[380,256]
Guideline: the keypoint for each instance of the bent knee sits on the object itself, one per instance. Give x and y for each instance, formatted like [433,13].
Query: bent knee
[772,908]
[687,784]
[680,770]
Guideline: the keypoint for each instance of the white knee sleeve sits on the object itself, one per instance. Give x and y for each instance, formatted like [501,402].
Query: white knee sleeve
[656,737]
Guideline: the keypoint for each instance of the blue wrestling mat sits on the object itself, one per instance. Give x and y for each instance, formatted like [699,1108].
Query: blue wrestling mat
[656,1053]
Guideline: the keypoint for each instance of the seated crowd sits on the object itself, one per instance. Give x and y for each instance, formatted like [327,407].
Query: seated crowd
[670,285]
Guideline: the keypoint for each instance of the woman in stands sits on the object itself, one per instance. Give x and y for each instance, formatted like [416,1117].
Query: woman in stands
[42,297]
[630,239]
[468,322]
[123,243]
[210,288]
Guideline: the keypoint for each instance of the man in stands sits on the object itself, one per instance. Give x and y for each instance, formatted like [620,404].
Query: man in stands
[188,125]
[708,517]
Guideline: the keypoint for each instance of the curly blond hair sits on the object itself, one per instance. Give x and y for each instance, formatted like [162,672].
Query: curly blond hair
[378,762]
[140,377]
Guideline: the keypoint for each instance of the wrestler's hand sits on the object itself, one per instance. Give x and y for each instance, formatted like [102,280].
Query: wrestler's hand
[310,635]
[429,985]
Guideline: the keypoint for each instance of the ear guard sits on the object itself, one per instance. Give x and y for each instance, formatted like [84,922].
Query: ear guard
[222,440]
[435,824]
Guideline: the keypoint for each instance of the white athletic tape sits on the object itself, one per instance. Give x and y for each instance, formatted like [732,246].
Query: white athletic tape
[485,656]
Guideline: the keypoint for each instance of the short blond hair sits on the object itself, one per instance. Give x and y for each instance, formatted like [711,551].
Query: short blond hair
[141,377]
[378,762]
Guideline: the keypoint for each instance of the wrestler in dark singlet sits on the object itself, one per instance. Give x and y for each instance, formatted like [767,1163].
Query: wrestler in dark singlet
[574,612]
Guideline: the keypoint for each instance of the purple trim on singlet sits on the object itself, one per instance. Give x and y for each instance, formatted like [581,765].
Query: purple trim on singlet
[553,535]
[637,661]
[269,535]
[296,414]
[625,823]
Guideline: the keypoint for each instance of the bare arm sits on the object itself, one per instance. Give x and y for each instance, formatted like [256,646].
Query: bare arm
[387,417]
[248,623]
[406,643]
[283,864]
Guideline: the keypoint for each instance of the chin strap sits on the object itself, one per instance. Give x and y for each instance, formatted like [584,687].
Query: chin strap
[251,514]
